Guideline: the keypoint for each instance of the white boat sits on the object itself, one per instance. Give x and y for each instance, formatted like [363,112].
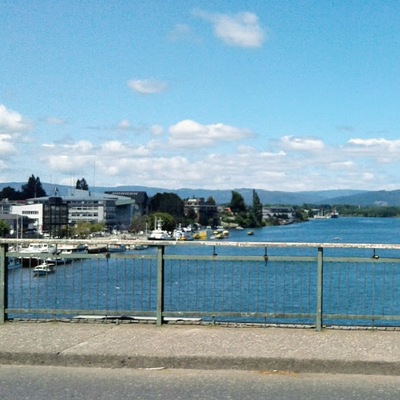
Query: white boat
[43,269]
[35,248]
[220,233]
[182,233]
[139,247]
[68,249]
[158,233]
[67,253]
[35,253]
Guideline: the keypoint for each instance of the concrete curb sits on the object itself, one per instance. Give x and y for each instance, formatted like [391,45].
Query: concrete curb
[204,363]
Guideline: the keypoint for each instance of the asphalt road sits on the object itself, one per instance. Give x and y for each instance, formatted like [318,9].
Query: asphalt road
[62,383]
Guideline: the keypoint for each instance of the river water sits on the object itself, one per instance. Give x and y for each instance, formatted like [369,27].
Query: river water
[118,284]
[329,230]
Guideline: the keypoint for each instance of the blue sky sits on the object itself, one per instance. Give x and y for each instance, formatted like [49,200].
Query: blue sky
[276,95]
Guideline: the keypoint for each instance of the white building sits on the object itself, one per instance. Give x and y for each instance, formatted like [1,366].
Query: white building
[83,206]
[32,211]
[87,206]
[286,213]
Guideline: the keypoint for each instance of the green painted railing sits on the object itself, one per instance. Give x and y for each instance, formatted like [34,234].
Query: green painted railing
[314,284]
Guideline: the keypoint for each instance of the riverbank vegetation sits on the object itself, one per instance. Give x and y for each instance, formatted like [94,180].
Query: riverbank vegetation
[377,211]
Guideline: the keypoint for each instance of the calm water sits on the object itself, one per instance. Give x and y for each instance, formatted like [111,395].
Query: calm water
[340,230]
[117,284]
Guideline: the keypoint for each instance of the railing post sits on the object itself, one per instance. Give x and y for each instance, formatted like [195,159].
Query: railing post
[3,283]
[320,279]
[160,284]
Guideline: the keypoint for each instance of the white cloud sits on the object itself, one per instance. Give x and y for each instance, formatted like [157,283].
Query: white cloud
[147,86]
[301,144]
[113,150]
[6,146]
[383,150]
[183,32]
[113,146]
[189,134]
[49,146]
[367,142]
[82,147]
[11,121]
[297,163]
[124,125]
[242,29]
[69,164]
[55,121]
[156,130]
[376,143]
[343,165]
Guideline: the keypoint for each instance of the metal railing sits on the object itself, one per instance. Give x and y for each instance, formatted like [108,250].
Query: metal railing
[314,284]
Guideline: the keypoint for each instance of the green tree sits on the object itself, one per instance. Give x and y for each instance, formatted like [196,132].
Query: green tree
[139,223]
[33,188]
[169,203]
[237,204]
[191,216]
[168,221]
[84,228]
[211,201]
[10,193]
[4,228]
[257,214]
[82,184]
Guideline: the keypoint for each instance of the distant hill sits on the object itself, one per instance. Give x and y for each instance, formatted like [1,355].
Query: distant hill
[332,197]
[266,197]
[378,198]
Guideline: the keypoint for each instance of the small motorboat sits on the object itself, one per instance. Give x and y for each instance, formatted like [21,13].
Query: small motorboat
[44,268]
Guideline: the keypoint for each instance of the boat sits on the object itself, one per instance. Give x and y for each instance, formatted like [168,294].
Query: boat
[182,233]
[220,233]
[334,214]
[158,233]
[116,248]
[201,235]
[68,253]
[35,253]
[57,260]
[44,268]
[139,247]
[97,249]
[67,249]
[39,248]
[250,233]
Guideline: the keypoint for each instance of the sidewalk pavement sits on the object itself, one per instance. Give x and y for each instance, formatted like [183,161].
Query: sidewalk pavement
[201,347]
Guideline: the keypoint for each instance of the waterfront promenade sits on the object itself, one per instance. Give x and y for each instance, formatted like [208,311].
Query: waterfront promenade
[138,345]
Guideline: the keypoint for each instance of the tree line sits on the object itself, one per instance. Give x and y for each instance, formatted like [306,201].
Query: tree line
[371,211]
[170,208]
[33,188]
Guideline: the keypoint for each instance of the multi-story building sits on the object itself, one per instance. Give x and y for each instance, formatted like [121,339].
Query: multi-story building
[141,199]
[50,214]
[55,216]
[5,206]
[203,210]
[34,212]
[284,213]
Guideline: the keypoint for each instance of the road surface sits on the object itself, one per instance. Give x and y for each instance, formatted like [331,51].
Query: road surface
[62,383]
